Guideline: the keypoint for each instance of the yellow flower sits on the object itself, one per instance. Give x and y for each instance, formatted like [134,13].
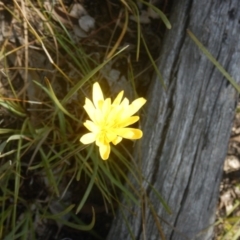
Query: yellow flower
[109,121]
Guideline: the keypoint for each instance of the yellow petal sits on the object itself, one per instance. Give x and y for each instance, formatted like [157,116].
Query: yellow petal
[97,94]
[106,107]
[104,150]
[89,108]
[117,140]
[134,107]
[137,104]
[100,104]
[110,136]
[118,99]
[101,139]
[99,117]
[125,103]
[128,121]
[114,115]
[91,126]
[88,138]
[129,133]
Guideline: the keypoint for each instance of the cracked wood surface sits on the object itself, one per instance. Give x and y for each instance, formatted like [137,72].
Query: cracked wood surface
[187,127]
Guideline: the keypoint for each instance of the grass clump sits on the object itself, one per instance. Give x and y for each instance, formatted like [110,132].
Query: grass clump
[47,177]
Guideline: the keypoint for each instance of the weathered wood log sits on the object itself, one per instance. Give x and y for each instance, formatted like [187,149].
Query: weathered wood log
[187,127]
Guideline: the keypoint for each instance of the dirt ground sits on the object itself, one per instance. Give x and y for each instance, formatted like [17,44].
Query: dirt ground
[228,211]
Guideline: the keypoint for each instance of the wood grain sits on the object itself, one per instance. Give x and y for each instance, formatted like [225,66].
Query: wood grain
[187,127]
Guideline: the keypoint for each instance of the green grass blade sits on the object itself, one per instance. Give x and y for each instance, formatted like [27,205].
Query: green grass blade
[59,215]
[114,181]
[89,188]
[52,95]
[161,200]
[49,171]
[17,175]
[6,131]
[160,13]
[81,227]
[88,77]
[214,61]
[153,63]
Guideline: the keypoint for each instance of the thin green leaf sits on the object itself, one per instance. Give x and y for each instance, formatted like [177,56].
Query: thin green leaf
[117,183]
[89,188]
[18,137]
[88,77]
[153,63]
[160,13]
[59,215]
[214,61]
[52,95]
[160,198]
[13,107]
[49,171]
[6,131]
[81,227]
[18,173]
